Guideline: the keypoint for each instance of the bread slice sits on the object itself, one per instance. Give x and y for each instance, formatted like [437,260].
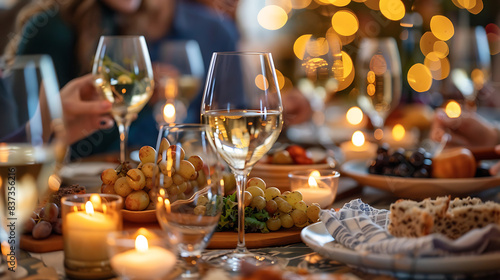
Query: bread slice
[451,218]
[410,218]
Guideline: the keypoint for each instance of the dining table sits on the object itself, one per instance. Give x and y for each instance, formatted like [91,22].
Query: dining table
[296,258]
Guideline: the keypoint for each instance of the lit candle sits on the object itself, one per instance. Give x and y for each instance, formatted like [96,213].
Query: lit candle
[85,234]
[358,148]
[318,188]
[143,262]
[401,138]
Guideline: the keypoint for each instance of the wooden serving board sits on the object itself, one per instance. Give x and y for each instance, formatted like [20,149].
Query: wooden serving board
[220,240]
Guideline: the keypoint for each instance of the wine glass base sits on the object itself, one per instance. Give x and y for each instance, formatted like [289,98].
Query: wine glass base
[236,261]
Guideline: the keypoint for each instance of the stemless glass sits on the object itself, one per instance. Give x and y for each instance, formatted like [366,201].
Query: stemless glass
[32,142]
[189,190]
[242,108]
[181,80]
[379,78]
[124,74]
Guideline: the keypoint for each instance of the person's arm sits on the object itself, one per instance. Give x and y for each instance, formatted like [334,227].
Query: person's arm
[468,130]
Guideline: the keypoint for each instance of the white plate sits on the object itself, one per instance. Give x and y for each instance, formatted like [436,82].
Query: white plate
[318,239]
[86,174]
[417,188]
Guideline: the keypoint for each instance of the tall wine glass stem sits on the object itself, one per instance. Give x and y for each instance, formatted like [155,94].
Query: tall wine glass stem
[241,180]
[123,127]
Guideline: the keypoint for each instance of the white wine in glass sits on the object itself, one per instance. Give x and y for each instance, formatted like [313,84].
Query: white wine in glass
[379,78]
[32,144]
[243,110]
[124,74]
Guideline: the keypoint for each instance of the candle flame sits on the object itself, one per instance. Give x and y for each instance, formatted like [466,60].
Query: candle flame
[354,115]
[358,138]
[453,109]
[167,205]
[89,208]
[398,132]
[169,113]
[312,182]
[95,199]
[141,243]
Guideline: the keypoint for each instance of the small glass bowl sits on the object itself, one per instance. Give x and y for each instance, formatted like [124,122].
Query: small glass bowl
[130,258]
[317,186]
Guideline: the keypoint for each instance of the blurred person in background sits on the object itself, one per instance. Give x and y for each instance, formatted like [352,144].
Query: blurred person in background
[469,130]
[69,31]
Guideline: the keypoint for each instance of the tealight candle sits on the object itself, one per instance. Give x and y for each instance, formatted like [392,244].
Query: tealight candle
[316,186]
[358,148]
[399,137]
[141,254]
[87,220]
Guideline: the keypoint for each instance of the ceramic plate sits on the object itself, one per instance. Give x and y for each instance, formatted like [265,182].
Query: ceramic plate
[417,188]
[318,239]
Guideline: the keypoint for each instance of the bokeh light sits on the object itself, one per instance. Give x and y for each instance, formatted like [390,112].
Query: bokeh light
[300,4]
[392,9]
[441,49]
[354,115]
[286,5]
[427,42]
[317,47]
[439,67]
[272,17]
[419,77]
[453,109]
[345,22]
[467,4]
[349,72]
[345,40]
[340,3]
[372,4]
[493,35]
[477,8]
[378,134]
[299,47]
[261,82]
[378,64]
[358,138]
[370,77]
[478,78]
[281,79]
[398,132]
[442,27]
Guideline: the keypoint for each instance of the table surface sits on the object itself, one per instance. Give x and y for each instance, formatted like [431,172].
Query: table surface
[298,257]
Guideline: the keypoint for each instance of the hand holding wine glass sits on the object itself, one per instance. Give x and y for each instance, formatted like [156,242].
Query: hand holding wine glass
[124,74]
[379,78]
[242,108]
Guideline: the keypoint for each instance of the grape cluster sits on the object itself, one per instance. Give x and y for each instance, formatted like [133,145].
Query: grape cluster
[401,163]
[133,184]
[44,221]
[285,209]
[136,184]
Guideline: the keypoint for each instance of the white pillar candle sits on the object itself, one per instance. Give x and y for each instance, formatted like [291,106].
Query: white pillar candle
[143,262]
[85,234]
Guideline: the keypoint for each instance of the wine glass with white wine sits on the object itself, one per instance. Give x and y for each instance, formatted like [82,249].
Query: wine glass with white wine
[379,78]
[124,74]
[242,108]
[32,145]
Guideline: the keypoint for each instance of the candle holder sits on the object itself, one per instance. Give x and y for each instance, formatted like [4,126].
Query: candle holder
[87,220]
[316,186]
[141,254]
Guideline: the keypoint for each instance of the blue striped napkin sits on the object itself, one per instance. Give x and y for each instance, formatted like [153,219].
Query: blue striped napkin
[360,227]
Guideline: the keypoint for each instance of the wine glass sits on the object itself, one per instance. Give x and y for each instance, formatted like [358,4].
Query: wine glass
[242,108]
[124,75]
[32,143]
[378,78]
[471,63]
[181,80]
[188,189]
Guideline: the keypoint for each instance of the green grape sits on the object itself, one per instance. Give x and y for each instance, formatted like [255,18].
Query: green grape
[313,212]
[258,202]
[255,191]
[271,193]
[301,205]
[286,221]
[299,217]
[293,197]
[273,224]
